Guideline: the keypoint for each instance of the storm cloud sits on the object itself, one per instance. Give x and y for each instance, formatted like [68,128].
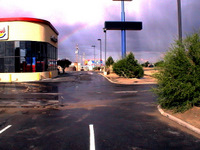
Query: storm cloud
[159,30]
[82,23]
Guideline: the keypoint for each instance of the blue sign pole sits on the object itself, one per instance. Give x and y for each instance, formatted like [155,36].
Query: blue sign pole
[123,32]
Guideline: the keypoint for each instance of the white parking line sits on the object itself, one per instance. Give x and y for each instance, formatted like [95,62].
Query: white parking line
[5,129]
[92,139]
[125,92]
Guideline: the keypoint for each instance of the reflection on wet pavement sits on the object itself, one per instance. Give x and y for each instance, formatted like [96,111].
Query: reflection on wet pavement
[28,94]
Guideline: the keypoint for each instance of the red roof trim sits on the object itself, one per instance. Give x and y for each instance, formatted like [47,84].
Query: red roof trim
[30,20]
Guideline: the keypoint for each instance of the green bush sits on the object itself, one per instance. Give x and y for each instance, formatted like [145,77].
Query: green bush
[146,64]
[128,67]
[179,76]
[159,63]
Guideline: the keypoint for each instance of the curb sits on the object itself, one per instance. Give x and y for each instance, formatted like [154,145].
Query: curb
[109,79]
[127,84]
[179,121]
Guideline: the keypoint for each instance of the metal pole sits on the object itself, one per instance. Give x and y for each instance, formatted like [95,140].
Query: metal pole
[94,53]
[77,55]
[105,44]
[100,52]
[123,32]
[179,20]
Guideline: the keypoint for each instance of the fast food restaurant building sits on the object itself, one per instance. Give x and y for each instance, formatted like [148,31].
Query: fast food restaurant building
[28,49]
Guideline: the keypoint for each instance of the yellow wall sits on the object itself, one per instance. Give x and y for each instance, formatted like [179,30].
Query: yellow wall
[29,31]
[25,77]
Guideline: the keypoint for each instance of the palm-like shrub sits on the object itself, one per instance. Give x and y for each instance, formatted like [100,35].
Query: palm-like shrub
[109,61]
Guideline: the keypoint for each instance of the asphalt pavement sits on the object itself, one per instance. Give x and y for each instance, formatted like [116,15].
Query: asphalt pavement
[86,106]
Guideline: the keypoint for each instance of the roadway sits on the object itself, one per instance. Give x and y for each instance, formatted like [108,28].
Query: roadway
[80,106]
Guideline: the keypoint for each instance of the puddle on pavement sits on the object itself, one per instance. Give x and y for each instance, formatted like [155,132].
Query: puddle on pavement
[28,94]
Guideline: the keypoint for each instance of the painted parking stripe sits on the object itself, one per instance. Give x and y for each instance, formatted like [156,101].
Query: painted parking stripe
[130,92]
[124,92]
[5,129]
[92,139]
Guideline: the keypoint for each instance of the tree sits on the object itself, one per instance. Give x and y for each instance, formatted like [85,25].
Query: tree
[146,64]
[128,67]
[178,78]
[109,61]
[64,63]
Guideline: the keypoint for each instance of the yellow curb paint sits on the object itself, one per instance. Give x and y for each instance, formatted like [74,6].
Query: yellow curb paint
[10,78]
[38,76]
[50,74]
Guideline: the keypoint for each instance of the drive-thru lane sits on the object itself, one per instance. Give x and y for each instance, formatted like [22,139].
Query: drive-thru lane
[123,117]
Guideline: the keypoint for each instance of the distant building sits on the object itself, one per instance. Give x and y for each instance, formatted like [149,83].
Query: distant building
[91,63]
[27,45]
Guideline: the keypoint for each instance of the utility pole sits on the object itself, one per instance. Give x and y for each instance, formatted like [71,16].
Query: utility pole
[77,52]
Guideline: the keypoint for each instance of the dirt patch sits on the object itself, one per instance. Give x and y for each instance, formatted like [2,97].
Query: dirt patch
[147,79]
[191,116]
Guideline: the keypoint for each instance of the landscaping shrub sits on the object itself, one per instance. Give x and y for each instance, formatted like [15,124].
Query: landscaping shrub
[128,67]
[146,64]
[179,75]
[159,63]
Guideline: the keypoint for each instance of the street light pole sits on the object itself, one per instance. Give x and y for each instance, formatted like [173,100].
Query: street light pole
[100,52]
[104,29]
[179,20]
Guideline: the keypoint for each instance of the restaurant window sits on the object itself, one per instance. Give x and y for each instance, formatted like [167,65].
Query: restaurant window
[27,56]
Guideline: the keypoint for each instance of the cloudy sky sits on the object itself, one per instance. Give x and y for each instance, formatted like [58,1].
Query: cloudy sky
[81,22]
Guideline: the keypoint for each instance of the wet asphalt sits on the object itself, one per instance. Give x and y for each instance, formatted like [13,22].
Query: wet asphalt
[56,114]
